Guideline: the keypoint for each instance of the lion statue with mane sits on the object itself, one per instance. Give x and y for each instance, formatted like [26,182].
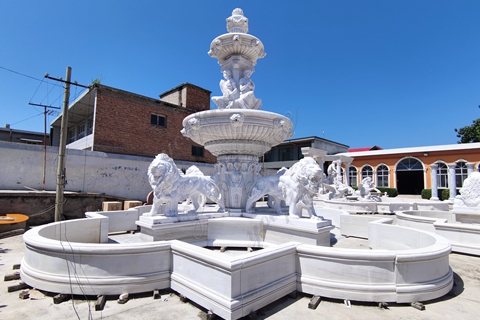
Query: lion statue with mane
[170,186]
[470,192]
[296,187]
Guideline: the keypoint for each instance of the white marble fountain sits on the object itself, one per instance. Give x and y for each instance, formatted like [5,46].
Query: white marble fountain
[283,252]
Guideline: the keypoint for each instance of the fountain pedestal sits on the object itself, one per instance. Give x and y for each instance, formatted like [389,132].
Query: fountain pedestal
[238,137]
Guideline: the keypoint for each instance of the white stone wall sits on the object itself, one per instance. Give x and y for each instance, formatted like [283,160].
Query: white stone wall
[86,171]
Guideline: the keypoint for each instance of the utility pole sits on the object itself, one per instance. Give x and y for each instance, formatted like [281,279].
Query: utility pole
[45,112]
[61,150]
[63,143]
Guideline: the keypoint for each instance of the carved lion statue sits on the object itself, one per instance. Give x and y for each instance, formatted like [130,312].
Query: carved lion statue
[267,185]
[170,186]
[470,192]
[296,186]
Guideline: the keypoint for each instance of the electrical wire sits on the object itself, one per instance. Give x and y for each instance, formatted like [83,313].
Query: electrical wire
[19,73]
[36,90]
[28,118]
[74,269]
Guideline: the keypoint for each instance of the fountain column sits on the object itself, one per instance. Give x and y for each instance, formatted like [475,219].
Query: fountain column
[452,183]
[433,178]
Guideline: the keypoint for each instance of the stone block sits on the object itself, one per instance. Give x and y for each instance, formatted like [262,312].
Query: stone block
[131,204]
[111,205]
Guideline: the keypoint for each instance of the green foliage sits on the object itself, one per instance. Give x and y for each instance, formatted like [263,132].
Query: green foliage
[445,194]
[392,192]
[97,80]
[426,193]
[469,134]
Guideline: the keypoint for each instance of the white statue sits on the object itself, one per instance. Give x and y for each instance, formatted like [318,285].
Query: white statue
[365,189]
[228,86]
[338,189]
[296,186]
[332,171]
[247,97]
[267,185]
[170,186]
[470,192]
[237,95]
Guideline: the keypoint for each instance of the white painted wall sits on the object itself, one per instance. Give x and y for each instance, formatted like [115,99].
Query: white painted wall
[21,167]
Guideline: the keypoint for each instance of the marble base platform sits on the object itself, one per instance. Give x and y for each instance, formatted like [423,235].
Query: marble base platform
[277,228]
[262,227]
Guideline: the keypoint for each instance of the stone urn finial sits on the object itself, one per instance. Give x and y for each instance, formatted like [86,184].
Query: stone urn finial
[237,23]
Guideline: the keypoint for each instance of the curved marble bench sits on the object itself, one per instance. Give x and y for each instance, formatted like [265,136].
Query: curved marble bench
[464,236]
[405,265]
[67,257]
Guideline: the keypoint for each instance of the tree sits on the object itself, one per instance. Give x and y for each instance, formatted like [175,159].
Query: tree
[469,134]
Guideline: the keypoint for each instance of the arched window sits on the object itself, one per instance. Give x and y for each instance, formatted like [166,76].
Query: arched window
[408,164]
[352,176]
[382,176]
[442,175]
[367,171]
[461,173]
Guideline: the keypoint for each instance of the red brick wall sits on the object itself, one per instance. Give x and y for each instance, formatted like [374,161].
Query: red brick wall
[122,125]
[197,98]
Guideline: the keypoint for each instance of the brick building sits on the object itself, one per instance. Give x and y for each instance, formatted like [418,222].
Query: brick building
[111,120]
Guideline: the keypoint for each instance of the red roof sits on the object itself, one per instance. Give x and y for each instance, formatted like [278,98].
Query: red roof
[365,149]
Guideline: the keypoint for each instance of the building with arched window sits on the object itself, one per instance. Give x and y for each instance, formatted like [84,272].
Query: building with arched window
[410,170]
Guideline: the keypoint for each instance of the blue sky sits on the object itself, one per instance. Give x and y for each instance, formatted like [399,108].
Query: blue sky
[395,73]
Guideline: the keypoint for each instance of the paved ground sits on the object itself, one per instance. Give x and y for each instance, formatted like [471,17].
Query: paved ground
[462,303]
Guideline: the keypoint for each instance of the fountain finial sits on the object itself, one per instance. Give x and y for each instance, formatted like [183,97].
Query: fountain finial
[237,22]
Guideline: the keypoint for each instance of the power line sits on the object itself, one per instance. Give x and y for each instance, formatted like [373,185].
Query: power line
[26,75]
[27,118]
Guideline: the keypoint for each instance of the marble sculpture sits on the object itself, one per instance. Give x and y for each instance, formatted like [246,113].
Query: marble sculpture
[237,133]
[365,190]
[296,186]
[236,86]
[470,192]
[170,186]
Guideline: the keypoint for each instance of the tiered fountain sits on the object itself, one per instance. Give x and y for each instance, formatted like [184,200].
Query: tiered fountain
[172,250]
[237,133]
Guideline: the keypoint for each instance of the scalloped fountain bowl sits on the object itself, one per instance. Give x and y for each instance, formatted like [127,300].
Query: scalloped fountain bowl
[237,131]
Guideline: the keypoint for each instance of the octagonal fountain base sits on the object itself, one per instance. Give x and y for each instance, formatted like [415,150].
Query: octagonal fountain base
[403,265]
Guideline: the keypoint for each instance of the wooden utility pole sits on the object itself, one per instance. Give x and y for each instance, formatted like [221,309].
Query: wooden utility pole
[61,150]
[45,112]
[60,199]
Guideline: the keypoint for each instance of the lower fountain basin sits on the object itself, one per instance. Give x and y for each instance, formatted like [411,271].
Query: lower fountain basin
[77,256]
